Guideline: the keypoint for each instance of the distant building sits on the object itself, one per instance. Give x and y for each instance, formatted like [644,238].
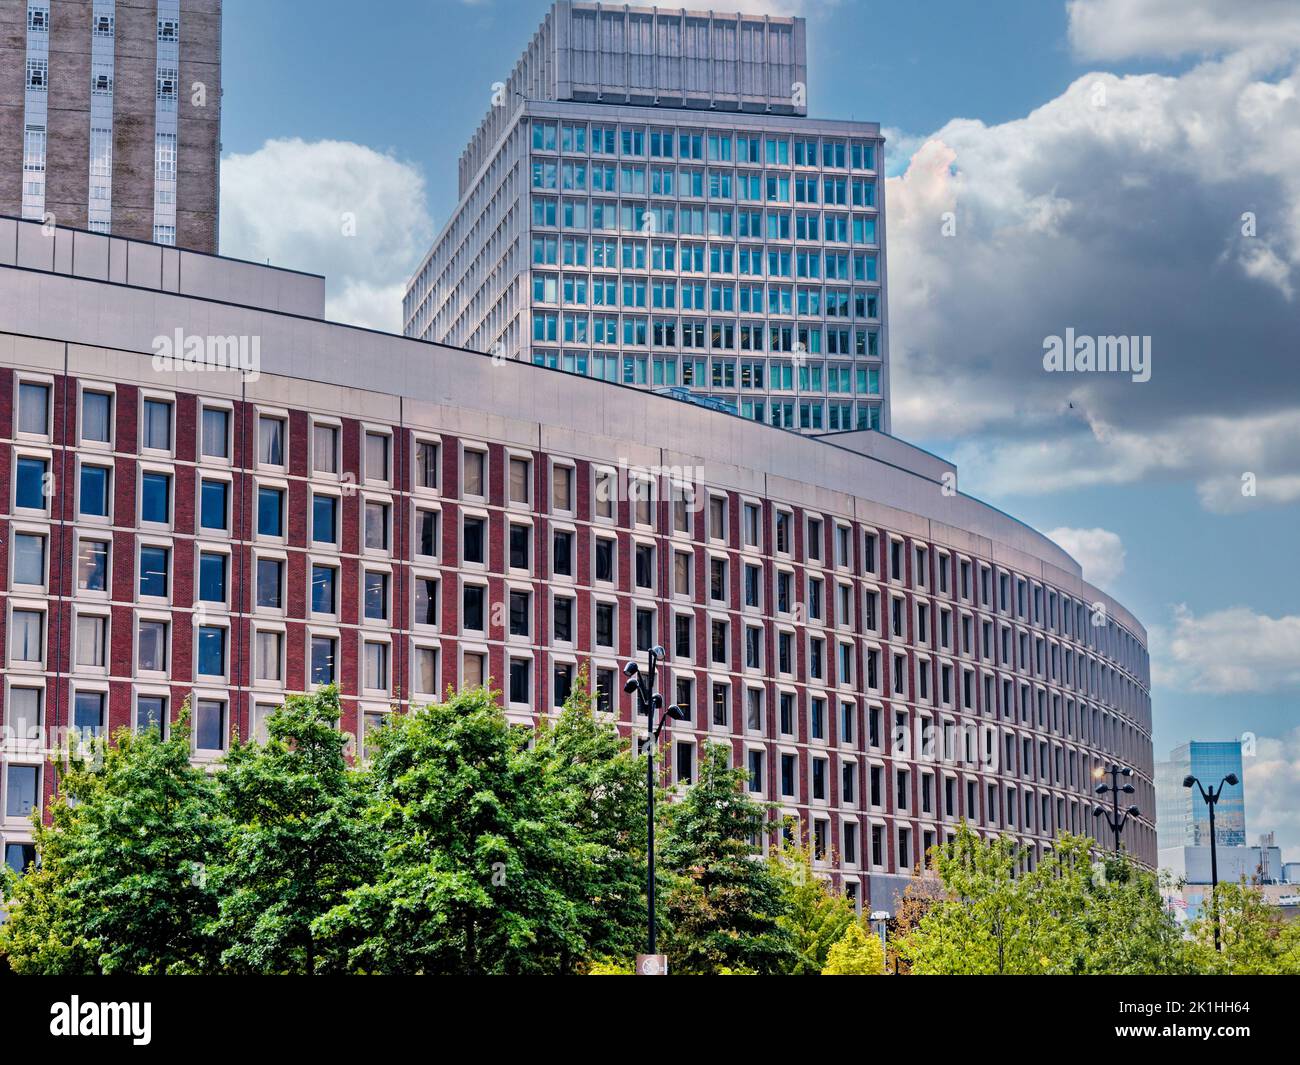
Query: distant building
[110,116]
[1182,818]
[1190,867]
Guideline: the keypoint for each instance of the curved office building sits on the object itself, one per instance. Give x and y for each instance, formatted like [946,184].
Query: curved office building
[209,492]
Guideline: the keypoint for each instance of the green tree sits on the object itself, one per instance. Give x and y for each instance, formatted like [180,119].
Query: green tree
[1126,928]
[816,916]
[1069,914]
[723,905]
[994,917]
[1255,940]
[597,788]
[856,953]
[298,841]
[478,865]
[122,885]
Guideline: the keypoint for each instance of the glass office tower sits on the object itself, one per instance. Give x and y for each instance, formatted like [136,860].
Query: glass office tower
[1182,818]
[648,202]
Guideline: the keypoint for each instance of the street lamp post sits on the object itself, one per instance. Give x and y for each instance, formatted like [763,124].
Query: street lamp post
[643,684]
[880,918]
[1116,818]
[1211,798]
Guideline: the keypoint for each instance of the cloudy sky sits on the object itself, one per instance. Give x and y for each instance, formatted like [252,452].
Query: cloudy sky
[1115,167]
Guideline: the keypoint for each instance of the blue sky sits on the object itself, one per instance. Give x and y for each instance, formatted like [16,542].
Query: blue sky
[1100,159]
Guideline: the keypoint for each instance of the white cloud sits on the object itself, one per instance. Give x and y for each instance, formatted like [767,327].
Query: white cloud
[1273,790]
[291,202]
[1228,651]
[1118,208]
[1120,29]
[1099,551]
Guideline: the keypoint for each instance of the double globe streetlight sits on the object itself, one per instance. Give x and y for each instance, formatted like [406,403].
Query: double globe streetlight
[651,703]
[1212,797]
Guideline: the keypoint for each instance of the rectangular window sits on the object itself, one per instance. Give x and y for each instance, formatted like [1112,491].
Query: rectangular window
[520,686]
[212,577]
[92,566]
[96,417]
[426,601]
[23,782]
[475,473]
[92,632]
[323,657]
[155,498]
[324,525]
[30,492]
[426,464]
[214,505]
[520,483]
[270,583]
[212,651]
[376,666]
[29,559]
[270,512]
[151,646]
[323,583]
[150,712]
[216,433]
[376,526]
[88,714]
[377,456]
[154,571]
[210,725]
[270,440]
[34,409]
[376,596]
[157,425]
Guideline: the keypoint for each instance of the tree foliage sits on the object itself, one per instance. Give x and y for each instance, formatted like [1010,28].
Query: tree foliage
[724,905]
[1066,915]
[815,915]
[298,838]
[494,860]
[122,886]
[856,953]
[1255,941]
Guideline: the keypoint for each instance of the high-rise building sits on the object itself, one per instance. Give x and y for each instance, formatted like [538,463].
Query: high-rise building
[213,494]
[110,116]
[1181,813]
[648,202]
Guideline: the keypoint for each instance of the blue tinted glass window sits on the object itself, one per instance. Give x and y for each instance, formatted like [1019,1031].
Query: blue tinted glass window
[325,520]
[155,492]
[212,651]
[212,578]
[270,512]
[212,504]
[31,484]
[322,589]
[94,491]
[153,571]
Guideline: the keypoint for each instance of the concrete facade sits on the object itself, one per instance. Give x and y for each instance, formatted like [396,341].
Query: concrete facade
[111,101]
[884,655]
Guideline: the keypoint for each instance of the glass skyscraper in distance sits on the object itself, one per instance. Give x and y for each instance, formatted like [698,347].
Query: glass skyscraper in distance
[647,202]
[1182,818]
